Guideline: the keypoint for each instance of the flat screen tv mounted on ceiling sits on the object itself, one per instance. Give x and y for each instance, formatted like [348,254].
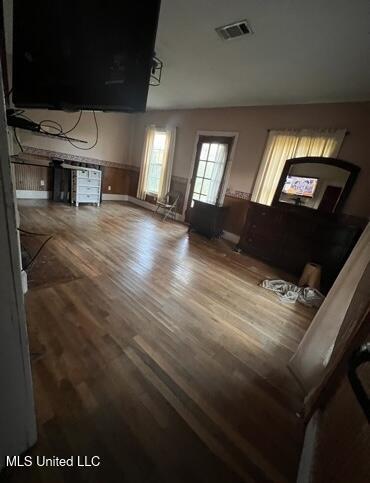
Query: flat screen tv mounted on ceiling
[92,55]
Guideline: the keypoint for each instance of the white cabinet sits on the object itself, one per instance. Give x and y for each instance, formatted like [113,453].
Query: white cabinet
[86,186]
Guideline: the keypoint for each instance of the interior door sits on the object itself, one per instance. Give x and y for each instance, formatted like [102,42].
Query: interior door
[341,434]
[210,165]
[17,413]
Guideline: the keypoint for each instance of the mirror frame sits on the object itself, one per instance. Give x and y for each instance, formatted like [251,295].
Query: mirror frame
[352,169]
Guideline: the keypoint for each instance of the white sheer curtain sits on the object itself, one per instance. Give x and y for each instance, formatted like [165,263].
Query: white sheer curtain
[283,145]
[166,157]
[168,154]
[145,162]
[217,174]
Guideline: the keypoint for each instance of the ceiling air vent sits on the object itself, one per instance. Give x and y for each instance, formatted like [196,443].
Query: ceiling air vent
[233,30]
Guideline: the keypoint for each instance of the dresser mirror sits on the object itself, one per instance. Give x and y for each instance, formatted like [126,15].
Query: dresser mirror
[315,183]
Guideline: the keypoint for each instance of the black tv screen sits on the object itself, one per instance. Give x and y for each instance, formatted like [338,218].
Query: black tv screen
[80,54]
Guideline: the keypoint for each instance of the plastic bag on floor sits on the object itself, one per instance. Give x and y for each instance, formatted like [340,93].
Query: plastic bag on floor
[291,293]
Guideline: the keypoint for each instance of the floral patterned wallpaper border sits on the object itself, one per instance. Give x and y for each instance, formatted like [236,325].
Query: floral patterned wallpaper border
[29,150]
[243,195]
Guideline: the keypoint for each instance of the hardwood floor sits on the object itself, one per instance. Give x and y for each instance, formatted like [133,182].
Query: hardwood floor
[156,351]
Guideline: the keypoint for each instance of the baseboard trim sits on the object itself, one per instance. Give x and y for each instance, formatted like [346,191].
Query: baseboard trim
[33,195]
[232,237]
[113,197]
[151,207]
[308,461]
[138,202]
[142,203]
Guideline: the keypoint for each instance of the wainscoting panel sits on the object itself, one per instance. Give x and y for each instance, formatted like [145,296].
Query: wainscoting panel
[117,179]
[30,178]
[122,178]
[179,185]
[237,214]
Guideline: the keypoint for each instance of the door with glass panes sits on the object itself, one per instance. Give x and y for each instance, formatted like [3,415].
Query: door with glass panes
[209,170]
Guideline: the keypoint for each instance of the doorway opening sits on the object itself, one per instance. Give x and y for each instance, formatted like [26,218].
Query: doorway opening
[209,173]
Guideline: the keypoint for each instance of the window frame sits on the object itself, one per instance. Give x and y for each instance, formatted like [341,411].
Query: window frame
[199,133]
[234,136]
[151,192]
[207,162]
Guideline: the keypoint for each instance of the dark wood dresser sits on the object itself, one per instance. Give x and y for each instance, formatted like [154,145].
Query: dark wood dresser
[207,219]
[288,238]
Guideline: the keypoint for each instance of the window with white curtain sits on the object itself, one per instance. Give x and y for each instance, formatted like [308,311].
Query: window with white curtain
[283,145]
[156,162]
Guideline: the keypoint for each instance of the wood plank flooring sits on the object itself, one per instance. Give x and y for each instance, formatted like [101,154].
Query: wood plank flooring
[158,352]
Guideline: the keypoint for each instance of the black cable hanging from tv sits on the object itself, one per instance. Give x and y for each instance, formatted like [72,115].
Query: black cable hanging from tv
[17,120]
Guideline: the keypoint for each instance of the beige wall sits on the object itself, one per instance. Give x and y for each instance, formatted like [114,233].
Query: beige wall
[115,134]
[252,124]
[121,137]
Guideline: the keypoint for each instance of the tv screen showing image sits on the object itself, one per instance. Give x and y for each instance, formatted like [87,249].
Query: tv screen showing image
[300,186]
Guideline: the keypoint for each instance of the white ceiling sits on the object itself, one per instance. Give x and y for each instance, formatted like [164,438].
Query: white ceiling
[302,51]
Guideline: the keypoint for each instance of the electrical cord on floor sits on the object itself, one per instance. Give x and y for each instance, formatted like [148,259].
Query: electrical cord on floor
[31,262]
[25,232]
[17,139]
[33,259]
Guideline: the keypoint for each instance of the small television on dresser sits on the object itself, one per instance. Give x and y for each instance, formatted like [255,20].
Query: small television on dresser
[304,224]
[300,186]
